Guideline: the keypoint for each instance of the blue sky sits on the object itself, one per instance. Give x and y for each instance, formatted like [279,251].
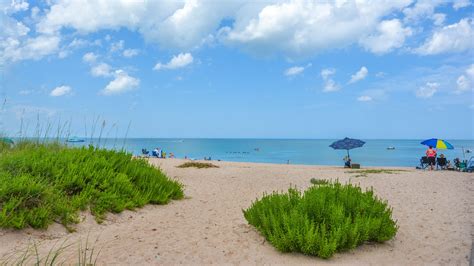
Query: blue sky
[244,69]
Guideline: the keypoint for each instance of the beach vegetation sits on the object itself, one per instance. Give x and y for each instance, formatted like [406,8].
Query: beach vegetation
[197,165]
[316,181]
[366,172]
[322,220]
[46,182]
[87,254]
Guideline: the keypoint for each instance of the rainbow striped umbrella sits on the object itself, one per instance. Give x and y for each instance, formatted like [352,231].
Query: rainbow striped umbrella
[438,144]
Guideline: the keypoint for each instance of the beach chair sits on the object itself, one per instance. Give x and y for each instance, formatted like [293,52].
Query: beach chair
[441,163]
[424,162]
[470,165]
[145,153]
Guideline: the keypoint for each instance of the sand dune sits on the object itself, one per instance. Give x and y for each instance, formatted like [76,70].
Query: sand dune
[434,211]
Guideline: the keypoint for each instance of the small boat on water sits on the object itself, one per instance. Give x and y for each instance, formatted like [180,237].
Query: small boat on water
[391,148]
[75,139]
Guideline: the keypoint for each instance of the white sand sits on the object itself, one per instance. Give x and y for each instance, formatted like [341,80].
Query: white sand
[434,211]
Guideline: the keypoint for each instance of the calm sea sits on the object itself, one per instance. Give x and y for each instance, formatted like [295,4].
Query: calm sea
[294,151]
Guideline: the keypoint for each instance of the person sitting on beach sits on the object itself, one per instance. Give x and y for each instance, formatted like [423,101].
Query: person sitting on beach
[347,162]
[431,154]
[157,152]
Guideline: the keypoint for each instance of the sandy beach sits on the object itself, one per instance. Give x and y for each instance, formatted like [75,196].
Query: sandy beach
[434,210]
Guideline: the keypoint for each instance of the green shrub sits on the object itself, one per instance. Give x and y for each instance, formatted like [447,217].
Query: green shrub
[45,182]
[322,220]
[197,165]
[315,181]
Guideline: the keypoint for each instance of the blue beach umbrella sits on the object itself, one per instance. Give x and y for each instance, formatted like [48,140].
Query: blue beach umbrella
[438,144]
[347,144]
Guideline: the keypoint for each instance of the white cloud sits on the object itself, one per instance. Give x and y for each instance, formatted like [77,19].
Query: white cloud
[457,37]
[422,9]
[117,46]
[35,48]
[130,52]
[329,84]
[89,57]
[428,90]
[360,75]
[61,91]
[457,4]
[438,19]
[178,61]
[364,98]
[465,82]
[390,35]
[301,27]
[18,5]
[294,71]
[101,70]
[121,83]
[295,28]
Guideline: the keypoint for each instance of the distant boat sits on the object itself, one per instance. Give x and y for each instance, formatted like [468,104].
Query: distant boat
[391,148]
[75,139]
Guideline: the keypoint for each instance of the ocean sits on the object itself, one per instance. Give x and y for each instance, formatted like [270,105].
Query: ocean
[293,151]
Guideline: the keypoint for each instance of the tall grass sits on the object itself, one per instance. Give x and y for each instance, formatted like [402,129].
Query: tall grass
[45,182]
[322,220]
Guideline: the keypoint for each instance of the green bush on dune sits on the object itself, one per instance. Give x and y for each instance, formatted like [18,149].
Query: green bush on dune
[45,182]
[322,220]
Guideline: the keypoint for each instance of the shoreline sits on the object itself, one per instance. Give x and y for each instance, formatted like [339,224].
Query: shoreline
[434,211]
[281,164]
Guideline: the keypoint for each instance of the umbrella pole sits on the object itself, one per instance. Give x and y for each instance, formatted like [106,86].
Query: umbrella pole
[348,156]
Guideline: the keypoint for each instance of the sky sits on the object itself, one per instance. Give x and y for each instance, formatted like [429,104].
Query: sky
[379,69]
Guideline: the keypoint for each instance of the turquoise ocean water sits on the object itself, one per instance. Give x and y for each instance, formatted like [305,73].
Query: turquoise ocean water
[294,151]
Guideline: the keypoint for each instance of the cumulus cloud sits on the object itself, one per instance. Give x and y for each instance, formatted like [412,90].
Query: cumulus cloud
[390,35]
[101,70]
[457,4]
[31,48]
[428,90]
[293,27]
[421,9]
[364,98]
[329,84]
[18,5]
[89,57]
[121,83]
[457,37]
[465,82]
[61,91]
[178,61]
[130,52]
[360,75]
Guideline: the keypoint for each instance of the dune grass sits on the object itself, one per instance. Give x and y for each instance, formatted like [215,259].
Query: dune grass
[322,220]
[197,165]
[42,183]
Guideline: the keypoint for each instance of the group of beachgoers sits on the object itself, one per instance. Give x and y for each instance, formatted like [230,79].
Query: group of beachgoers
[158,153]
[432,161]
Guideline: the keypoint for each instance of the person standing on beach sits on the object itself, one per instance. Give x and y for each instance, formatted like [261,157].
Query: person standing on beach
[431,154]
